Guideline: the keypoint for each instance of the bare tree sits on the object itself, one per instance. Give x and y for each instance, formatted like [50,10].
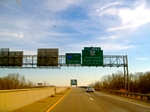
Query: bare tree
[139,82]
[45,83]
[14,81]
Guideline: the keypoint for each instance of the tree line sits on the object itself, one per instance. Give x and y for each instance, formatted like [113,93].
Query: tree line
[16,81]
[139,82]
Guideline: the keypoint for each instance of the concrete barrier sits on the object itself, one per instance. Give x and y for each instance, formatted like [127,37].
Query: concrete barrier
[59,89]
[13,99]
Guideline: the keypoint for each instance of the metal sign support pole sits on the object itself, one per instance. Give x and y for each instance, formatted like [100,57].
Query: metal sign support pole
[128,83]
[125,87]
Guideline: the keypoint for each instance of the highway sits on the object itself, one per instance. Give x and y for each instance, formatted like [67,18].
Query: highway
[77,100]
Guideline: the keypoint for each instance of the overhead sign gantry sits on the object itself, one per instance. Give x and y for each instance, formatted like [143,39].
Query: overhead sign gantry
[49,58]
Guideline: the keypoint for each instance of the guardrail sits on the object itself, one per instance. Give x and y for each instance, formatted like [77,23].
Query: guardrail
[138,96]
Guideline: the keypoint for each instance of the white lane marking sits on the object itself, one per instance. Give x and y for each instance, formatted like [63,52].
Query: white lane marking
[129,102]
[91,99]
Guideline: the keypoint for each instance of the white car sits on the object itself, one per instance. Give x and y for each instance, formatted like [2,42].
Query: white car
[90,89]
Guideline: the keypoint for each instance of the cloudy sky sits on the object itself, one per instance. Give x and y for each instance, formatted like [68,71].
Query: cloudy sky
[119,27]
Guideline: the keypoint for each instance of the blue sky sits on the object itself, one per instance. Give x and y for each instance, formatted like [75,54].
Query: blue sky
[119,27]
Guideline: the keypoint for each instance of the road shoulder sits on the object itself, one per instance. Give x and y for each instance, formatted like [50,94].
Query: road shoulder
[44,104]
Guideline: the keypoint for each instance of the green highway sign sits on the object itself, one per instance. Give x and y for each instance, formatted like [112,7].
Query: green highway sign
[92,56]
[73,58]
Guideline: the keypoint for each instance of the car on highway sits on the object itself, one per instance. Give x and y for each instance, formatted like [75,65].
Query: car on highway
[90,89]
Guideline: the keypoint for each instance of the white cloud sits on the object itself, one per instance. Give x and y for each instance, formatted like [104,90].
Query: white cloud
[107,9]
[106,44]
[141,59]
[108,6]
[12,34]
[107,37]
[102,38]
[115,47]
[113,37]
[59,5]
[132,18]
[39,31]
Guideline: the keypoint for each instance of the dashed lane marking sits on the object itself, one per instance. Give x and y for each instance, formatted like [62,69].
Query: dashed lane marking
[91,99]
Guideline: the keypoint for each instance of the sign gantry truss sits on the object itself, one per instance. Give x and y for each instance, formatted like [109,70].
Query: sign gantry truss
[114,61]
[30,61]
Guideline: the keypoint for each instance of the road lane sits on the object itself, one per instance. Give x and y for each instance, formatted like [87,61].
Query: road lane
[112,103]
[80,101]
[76,101]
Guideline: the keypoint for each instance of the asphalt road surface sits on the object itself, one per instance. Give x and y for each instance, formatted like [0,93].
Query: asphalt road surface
[78,100]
